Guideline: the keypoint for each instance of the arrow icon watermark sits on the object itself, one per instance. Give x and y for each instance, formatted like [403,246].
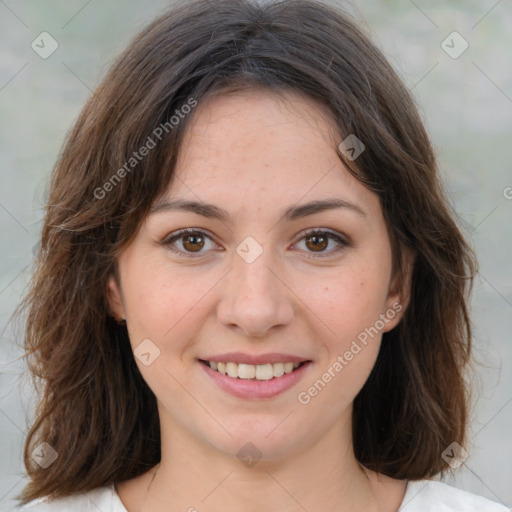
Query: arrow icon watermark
[146,352]
[249,249]
[454,45]
[44,45]
[44,455]
[351,147]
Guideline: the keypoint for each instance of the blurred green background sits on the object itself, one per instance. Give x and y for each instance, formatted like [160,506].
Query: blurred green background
[466,103]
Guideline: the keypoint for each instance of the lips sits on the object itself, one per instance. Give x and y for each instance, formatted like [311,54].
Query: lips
[240,357]
[255,376]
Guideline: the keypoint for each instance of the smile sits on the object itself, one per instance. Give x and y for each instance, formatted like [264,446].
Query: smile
[264,372]
[254,381]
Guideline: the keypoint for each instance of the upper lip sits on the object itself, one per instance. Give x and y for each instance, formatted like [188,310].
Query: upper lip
[240,357]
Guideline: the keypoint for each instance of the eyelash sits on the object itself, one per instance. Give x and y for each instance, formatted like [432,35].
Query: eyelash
[309,233]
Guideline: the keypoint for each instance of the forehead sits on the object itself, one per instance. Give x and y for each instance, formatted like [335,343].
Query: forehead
[258,144]
[248,120]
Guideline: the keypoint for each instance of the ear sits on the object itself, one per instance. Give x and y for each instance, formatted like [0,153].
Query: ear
[114,297]
[399,293]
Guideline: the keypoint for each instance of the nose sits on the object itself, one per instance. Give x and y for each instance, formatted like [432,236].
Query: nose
[255,299]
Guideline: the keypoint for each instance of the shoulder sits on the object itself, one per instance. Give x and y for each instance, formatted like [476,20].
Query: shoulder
[102,498]
[430,496]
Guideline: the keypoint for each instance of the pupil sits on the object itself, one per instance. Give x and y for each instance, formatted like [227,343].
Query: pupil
[191,242]
[319,242]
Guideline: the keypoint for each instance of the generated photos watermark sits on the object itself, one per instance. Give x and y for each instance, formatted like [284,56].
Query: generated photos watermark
[342,360]
[144,150]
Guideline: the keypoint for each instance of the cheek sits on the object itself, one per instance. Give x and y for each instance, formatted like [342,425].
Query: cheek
[165,303]
[350,305]
[348,301]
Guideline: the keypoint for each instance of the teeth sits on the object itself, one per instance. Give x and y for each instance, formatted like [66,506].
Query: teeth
[246,371]
[232,370]
[253,371]
[278,369]
[264,371]
[288,367]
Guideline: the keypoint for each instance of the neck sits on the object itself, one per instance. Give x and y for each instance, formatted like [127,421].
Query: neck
[196,477]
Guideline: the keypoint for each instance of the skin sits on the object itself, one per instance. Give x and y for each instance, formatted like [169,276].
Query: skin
[254,153]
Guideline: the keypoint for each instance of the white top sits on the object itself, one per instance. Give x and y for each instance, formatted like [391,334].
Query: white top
[420,496]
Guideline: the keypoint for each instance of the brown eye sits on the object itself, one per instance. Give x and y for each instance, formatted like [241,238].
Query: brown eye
[190,243]
[317,242]
[193,243]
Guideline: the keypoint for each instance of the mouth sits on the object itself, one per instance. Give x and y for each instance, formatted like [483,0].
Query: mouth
[254,381]
[259,372]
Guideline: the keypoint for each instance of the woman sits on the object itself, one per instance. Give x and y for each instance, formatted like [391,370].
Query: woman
[251,293]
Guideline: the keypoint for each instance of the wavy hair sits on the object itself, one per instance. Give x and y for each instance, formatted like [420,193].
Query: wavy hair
[94,407]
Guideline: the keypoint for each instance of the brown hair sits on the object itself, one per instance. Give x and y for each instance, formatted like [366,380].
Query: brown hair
[95,409]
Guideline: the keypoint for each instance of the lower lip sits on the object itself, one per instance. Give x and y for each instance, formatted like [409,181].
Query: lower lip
[245,388]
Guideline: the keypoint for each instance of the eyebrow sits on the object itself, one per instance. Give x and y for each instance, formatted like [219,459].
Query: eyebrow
[291,213]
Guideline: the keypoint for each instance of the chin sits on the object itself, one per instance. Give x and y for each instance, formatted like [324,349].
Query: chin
[264,439]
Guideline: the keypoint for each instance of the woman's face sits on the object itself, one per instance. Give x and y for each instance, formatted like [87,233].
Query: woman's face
[265,279]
